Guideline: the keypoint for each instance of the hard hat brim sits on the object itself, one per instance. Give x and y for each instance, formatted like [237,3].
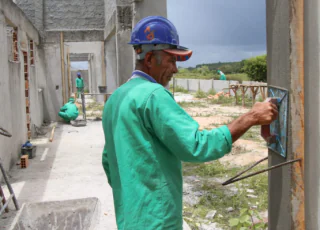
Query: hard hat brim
[182,54]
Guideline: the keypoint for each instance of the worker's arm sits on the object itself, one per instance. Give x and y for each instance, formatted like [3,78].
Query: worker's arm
[260,114]
[179,132]
[105,165]
[63,108]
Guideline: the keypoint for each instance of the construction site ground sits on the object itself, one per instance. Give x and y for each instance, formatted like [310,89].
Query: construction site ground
[70,168]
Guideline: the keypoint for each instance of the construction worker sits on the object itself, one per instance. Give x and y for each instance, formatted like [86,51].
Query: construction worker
[222,76]
[79,85]
[69,111]
[147,134]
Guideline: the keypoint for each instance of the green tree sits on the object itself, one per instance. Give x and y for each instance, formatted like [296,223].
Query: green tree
[256,68]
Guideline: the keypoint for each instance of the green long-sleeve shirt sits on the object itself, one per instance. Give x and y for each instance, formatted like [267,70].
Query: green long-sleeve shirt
[79,83]
[147,135]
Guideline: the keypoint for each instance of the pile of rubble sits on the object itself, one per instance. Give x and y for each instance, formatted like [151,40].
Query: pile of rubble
[220,94]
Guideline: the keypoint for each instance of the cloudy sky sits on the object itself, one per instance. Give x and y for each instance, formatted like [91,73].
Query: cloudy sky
[219,30]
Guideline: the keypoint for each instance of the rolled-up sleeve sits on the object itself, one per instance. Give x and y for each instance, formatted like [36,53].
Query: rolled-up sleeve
[180,133]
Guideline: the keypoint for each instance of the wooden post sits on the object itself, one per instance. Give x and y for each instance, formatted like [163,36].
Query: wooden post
[243,90]
[254,91]
[103,64]
[62,68]
[262,91]
[69,73]
[235,89]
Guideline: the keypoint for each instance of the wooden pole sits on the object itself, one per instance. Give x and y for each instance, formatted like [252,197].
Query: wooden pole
[254,91]
[243,90]
[62,68]
[52,133]
[69,73]
[103,65]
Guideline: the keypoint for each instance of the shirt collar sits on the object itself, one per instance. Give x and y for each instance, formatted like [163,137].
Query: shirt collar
[144,75]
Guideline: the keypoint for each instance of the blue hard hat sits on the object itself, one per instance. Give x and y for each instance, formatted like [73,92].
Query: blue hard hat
[157,33]
[78,74]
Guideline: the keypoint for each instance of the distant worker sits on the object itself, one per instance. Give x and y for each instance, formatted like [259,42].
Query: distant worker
[147,134]
[69,111]
[79,85]
[222,76]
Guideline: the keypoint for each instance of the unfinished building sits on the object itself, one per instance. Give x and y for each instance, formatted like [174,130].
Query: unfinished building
[39,39]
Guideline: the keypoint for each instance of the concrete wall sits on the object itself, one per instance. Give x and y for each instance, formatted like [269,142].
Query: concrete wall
[53,92]
[28,8]
[194,85]
[285,69]
[12,96]
[64,15]
[312,108]
[69,14]
[18,113]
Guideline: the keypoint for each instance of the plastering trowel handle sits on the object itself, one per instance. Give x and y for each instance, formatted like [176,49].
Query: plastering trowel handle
[265,129]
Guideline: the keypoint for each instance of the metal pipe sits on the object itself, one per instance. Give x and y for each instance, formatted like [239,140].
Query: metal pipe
[239,174]
[6,204]
[15,201]
[261,171]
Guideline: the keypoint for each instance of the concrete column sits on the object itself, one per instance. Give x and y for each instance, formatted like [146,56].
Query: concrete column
[111,64]
[90,68]
[124,51]
[312,108]
[146,8]
[285,69]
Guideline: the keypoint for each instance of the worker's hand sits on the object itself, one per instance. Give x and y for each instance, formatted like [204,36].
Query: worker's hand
[263,113]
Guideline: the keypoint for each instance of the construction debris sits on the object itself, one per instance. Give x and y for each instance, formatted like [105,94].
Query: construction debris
[218,95]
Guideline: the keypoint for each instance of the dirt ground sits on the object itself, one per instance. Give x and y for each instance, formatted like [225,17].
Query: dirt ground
[248,149]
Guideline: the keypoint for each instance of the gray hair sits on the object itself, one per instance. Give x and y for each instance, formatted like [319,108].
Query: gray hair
[156,53]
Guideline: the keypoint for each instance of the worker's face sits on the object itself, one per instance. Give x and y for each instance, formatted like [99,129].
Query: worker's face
[161,66]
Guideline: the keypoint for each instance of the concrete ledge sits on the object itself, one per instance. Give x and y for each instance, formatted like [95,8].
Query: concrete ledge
[16,17]
[74,36]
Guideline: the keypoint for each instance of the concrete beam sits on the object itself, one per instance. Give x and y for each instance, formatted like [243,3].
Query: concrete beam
[74,36]
[15,17]
[110,28]
[79,57]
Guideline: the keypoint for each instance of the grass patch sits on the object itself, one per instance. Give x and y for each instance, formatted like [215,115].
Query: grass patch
[200,94]
[95,106]
[225,101]
[212,92]
[219,198]
[185,104]
[178,89]
[252,134]
[230,77]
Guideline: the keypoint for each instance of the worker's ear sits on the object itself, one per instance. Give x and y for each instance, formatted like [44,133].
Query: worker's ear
[147,59]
